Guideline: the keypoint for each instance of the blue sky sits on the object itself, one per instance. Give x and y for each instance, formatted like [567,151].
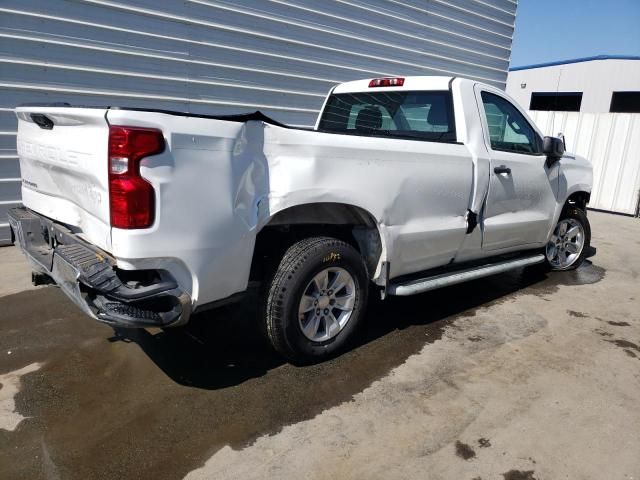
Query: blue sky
[548,30]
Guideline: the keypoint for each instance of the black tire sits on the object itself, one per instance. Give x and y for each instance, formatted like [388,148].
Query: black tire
[300,263]
[580,216]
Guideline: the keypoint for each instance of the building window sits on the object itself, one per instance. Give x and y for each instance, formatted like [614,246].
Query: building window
[556,101]
[627,102]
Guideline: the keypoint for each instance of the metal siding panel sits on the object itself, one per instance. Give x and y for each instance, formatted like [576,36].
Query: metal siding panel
[583,142]
[8,121]
[9,167]
[8,141]
[10,190]
[627,195]
[223,57]
[454,15]
[609,175]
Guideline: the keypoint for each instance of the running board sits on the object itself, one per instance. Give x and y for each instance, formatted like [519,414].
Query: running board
[445,279]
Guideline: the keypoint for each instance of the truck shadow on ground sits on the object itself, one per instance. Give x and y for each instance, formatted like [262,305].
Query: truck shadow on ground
[224,347]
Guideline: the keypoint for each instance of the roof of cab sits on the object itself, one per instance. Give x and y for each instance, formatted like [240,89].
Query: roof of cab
[410,83]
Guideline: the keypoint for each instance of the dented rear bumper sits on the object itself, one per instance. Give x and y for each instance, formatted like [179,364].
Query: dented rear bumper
[91,279]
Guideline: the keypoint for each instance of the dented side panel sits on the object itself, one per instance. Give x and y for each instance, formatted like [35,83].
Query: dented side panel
[417,191]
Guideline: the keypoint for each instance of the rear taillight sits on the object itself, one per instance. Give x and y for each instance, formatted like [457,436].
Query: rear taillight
[131,197]
[386,82]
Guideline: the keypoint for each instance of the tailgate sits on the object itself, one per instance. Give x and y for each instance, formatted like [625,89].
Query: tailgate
[63,164]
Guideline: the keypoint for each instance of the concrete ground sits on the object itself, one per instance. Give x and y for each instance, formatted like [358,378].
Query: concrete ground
[16,272]
[520,376]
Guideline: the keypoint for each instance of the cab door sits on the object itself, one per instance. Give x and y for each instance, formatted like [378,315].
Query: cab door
[522,189]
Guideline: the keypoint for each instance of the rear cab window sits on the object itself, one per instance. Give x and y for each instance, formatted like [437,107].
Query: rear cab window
[423,115]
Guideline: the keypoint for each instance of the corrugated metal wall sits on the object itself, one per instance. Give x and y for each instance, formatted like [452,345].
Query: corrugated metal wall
[611,141]
[279,56]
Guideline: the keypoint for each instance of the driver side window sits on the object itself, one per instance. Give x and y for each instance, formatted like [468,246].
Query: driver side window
[508,129]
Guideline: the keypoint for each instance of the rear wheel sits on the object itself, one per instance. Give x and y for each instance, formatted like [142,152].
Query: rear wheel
[570,241]
[316,299]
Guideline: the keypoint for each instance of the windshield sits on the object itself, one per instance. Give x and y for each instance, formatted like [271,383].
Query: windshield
[417,115]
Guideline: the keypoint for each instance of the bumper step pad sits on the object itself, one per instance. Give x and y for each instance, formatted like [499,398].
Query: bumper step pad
[127,312]
[95,271]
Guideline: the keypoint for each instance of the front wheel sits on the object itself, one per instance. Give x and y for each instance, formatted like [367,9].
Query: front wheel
[316,299]
[570,241]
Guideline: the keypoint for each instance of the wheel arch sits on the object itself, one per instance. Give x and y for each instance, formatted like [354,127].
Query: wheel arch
[579,199]
[349,222]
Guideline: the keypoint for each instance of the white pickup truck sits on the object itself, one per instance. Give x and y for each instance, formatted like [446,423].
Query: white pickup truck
[404,185]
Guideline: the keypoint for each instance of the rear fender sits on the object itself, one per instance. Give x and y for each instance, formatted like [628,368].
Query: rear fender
[364,228]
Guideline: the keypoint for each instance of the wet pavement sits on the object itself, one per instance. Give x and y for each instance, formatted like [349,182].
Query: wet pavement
[157,404]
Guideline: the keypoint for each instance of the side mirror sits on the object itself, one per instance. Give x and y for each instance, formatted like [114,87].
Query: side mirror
[553,148]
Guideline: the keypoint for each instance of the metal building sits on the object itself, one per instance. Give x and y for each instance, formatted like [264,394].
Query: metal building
[595,103]
[601,84]
[221,57]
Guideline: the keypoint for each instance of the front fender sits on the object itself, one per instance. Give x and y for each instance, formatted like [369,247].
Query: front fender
[576,175]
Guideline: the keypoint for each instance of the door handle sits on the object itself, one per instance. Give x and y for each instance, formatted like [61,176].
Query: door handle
[502,169]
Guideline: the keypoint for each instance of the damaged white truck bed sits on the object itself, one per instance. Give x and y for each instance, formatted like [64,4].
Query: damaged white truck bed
[404,185]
